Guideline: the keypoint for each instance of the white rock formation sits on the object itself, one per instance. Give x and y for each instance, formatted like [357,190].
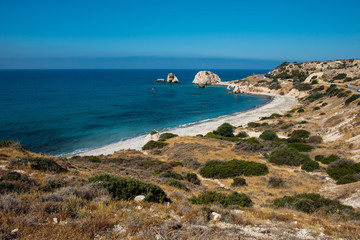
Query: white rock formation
[171,78]
[237,90]
[154,135]
[206,78]
[139,198]
[216,216]
[160,80]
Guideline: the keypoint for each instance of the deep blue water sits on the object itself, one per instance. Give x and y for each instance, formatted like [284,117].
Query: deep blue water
[63,111]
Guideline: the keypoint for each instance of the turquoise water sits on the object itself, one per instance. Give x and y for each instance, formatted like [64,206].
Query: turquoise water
[65,111]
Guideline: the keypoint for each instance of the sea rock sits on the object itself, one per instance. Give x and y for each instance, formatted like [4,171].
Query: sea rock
[160,80]
[171,78]
[201,85]
[228,88]
[206,78]
[237,90]
[139,198]
[154,135]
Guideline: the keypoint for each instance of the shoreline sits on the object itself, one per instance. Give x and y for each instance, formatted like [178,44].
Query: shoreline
[278,104]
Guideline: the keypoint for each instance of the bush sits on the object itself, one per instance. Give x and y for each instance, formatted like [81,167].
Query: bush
[193,178]
[303,87]
[165,136]
[269,135]
[233,199]
[52,185]
[242,135]
[225,130]
[175,183]
[238,182]
[46,164]
[154,144]
[253,124]
[287,156]
[15,182]
[301,147]
[310,166]
[233,168]
[315,139]
[319,157]
[300,110]
[171,174]
[249,144]
[314,96]
[213,135]
[352,98]
[275,182]
[340,76]
[302,134]
[344,171]
[93,159]
[312,202]
[10,144]
[128,188]
[272,116]
[191,163]
[329,159]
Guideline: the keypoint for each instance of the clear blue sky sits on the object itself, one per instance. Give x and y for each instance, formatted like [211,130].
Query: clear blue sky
[170,34]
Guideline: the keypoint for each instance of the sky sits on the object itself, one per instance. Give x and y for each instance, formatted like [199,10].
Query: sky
[175,34]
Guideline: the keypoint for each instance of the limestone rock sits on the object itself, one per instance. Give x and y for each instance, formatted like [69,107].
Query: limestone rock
[160,80]
[237,90]
[201,85]
[139,198]
[171,78]
[154,135]
[216,216]
[206,78]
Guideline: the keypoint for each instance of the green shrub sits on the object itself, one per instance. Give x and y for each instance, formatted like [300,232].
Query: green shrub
[310,166]
[93,159]
[233,168]
[15,182]
[303,134]
[316,108]
[233,199]
[301,147]
[343,171]
[128,188]
[275,182]
[242,135]
[288,115]
[303,122]
[238,182]
[312,202]
[175,183]
[165,136]
[287,156]
[272,116]
[269,135]
[329,159]
[303,87]
[286,126]
[315,139]
[154,144]
[248,144]
[300,110]
[319,158]
[340,76]
[52,185]
[352,98]
[171,174]
[253,124]
[46,164]
[213,135]
[314,96]
[153,132]
[193,178]
[225,130]
[10,144]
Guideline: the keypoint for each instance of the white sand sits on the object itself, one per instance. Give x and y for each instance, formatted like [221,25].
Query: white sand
[279,104]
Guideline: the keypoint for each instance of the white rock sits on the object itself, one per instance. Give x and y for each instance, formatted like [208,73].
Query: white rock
[160,80]
[15,230]
[139,198]
[154,137]
[139,207]
[55,220]
[171,78]
[206,78]
[216,216]
[118,229]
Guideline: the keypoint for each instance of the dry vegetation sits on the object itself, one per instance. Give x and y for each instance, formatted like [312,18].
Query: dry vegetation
[48,202]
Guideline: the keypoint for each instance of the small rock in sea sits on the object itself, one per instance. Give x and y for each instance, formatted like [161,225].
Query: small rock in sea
[171,78]
[139,198]
[160,80]
[216,216]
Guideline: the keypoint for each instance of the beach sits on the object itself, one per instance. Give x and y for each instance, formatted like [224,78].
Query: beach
[278,104]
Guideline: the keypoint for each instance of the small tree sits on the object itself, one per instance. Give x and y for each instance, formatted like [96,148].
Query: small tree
[225,130]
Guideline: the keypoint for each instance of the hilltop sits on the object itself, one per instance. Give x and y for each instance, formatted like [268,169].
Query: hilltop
[289,175]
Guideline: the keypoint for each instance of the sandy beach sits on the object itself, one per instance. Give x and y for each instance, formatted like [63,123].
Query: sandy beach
[278,104]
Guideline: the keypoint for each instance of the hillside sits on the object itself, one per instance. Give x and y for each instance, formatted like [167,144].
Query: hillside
[296,176]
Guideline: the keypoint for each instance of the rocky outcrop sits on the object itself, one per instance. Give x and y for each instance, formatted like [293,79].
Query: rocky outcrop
[171,78]
[160,80]
[154,135]
[206,78]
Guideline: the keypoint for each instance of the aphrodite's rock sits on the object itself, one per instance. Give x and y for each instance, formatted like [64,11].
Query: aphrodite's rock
[206,78]
[171,78]
[154,135]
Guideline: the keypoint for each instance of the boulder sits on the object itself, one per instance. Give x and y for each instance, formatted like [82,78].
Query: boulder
[206,78]
[216,216]
[160,80]
[237,90]
[139,198]
[154,135]
[201,85]
[171,78]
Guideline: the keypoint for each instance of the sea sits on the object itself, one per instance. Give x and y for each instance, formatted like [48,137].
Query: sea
[63,112]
